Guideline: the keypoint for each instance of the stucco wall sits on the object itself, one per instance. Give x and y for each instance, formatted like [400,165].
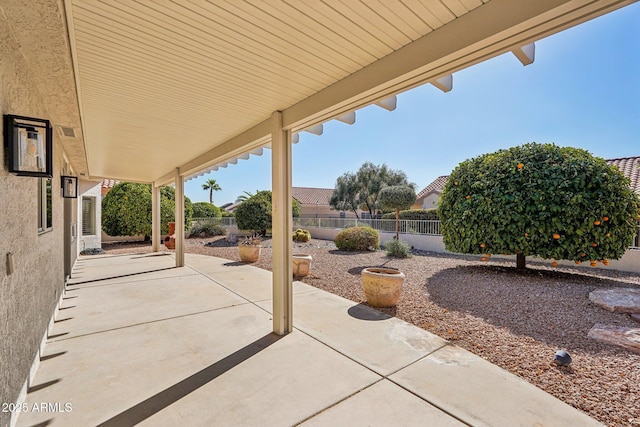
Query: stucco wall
[28,296]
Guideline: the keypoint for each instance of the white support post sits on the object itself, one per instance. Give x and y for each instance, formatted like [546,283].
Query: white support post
[179,219]
[282,225]
[155,218]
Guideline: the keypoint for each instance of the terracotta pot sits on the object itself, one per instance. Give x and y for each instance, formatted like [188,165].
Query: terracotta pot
[170,240]
[382,286]
[300,264]
[249,253]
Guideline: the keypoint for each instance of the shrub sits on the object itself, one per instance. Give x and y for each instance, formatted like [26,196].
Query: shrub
[206,210]
[539,200]
[414,214]
[126,210]
[301,235]
[207,229]
[397,249]
[357,239]
[254,214]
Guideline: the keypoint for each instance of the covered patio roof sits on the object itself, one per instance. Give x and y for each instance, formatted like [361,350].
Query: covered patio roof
[145,87]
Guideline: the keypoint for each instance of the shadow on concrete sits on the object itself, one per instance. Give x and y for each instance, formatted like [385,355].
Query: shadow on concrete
[41,386]
[100,279]
[52,355]
[159,401]
[364,312]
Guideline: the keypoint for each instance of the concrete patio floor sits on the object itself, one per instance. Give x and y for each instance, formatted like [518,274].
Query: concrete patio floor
[137,341]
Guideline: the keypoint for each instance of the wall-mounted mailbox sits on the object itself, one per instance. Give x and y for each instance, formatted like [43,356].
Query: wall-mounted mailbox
[29,143]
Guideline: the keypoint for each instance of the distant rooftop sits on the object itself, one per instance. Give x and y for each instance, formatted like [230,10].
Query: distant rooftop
[630,167]
[437,186]
[312,196]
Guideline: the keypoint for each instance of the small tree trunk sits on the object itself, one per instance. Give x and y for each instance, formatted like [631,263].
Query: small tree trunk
[397,220]
[520,262]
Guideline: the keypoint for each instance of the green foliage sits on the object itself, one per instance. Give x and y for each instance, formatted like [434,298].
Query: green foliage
[396,197]
[357,239]
[256,215]
[414,214]
[539,199]
[397,249]
[301,235]
[226,214]
[207,229]
[206,210]
[126,210]
[361,190]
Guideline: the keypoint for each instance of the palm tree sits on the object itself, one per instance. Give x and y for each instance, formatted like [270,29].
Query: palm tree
[244,197]
[212,186]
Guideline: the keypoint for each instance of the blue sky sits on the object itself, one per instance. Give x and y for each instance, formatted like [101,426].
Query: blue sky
[583,90]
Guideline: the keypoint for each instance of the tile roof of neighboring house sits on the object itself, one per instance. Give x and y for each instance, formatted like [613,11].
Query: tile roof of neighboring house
[312,196]
[109,183]
[630,167]
[437,185]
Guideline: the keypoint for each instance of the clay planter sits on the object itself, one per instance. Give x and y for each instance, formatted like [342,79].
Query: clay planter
[382,286]
[170,240]
[249,253]
[301,264]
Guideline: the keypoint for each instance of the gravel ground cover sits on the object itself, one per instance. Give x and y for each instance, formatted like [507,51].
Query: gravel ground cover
[515,320]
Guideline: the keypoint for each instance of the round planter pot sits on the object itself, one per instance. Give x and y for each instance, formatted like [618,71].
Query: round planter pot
[249,253]
[382,286]
[300,264]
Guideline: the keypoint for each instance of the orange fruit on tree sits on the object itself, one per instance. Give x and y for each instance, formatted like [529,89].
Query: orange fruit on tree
[594,244]
[468,197]
[593,263]
[482,245]
[526,234]
[554,264]
[596,222]
[608,234]
[484,258]
[605,261]
[556,236]
[583,254]
[520,165]
[605,218]
[578,262]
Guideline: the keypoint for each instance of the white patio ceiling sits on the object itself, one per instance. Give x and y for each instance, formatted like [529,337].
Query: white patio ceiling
[191,83]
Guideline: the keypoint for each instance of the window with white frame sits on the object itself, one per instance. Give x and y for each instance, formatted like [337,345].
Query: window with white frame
[45,216]
[88,216]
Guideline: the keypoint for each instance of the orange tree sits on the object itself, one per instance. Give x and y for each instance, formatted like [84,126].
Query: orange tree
[539,200]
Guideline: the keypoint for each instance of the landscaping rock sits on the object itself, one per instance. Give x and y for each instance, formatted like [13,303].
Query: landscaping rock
[618,300]
[628,338]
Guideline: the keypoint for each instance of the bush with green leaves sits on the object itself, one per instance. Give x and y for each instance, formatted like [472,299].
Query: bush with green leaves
[206,210]
[357,239]
[207,229]
[415,214]
[255,212]
[397,249]
[126,210]
[539,200]
[301,235]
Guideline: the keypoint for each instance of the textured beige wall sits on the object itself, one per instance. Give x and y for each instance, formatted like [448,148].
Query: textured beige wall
[28,297]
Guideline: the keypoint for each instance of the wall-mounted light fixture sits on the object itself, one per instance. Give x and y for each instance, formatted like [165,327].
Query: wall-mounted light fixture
[29,145]
[69,186]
